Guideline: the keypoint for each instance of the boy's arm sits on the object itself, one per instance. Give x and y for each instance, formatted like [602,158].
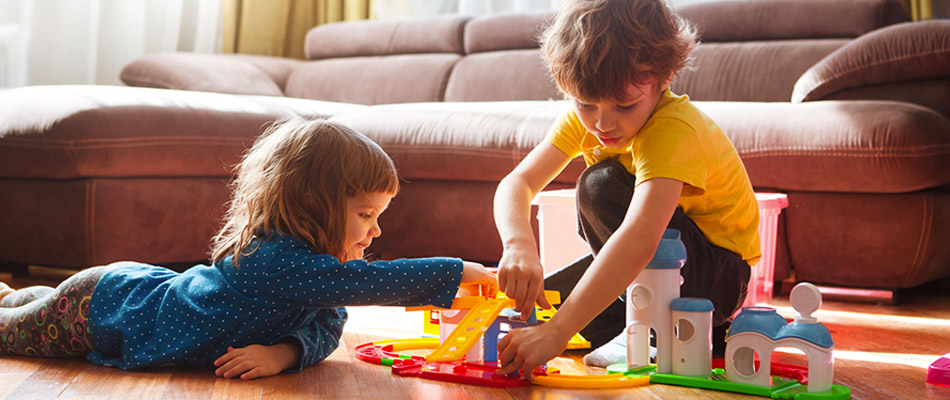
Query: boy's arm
[520,274]
[615,267]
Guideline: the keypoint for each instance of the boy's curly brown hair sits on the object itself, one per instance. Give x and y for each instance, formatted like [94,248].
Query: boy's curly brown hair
[595,48]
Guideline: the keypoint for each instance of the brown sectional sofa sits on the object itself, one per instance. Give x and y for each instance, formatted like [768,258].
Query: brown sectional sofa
[842,104]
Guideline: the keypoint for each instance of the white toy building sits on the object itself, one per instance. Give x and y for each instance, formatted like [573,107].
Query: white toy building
[760,330]
[683,328]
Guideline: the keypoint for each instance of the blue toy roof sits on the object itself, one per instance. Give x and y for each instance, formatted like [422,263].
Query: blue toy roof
[694,304]
[814,332]
[670,253]
[765,320]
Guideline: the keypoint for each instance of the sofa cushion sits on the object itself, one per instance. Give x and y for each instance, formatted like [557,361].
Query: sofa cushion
[223,73]
[750,71]
[903,52]
[505,31]
[441,34]
[477,77]
[374,79]
[66,132]
[838,146]
[480,141]
[741,20]
[502,61]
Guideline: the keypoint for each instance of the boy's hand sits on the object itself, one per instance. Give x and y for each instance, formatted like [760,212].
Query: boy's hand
[258,361]
[521,277]
[474,273]
[527,348]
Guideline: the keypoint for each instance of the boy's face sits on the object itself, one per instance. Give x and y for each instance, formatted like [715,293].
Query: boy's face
[616,122]
[362,222]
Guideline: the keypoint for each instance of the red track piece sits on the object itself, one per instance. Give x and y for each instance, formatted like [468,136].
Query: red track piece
[790,371]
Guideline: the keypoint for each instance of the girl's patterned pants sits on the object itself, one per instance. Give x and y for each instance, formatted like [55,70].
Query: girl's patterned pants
[41,321]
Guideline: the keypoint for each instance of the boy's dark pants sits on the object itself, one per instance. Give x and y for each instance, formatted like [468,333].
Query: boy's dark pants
[604,191]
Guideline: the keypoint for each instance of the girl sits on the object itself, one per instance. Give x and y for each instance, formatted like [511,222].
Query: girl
[306,204]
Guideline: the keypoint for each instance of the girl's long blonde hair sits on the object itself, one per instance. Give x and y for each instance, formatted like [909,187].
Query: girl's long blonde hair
[295,180]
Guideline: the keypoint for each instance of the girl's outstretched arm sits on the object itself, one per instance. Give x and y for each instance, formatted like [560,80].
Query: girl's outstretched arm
[474,273]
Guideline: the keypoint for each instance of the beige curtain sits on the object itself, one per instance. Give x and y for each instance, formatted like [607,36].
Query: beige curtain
[278,27]
[920,9]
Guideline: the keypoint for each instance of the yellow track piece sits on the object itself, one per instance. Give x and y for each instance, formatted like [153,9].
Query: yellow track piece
[409,344]
[460,303]
[472,327]
[591,381]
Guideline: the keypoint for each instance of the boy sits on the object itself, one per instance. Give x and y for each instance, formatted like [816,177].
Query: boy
[654,162]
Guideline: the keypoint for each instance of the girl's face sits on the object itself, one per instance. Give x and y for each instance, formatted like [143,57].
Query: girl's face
[362,222]
[616,122]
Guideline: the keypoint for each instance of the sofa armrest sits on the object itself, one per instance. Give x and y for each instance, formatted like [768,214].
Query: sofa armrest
[224,73]
[902,52]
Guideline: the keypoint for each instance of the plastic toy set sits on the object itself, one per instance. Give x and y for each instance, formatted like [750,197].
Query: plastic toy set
[683,332]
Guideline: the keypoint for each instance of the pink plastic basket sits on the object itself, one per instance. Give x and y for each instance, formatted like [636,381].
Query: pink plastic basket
[761,280]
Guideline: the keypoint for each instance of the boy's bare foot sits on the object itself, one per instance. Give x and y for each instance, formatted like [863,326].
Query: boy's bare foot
[5,290]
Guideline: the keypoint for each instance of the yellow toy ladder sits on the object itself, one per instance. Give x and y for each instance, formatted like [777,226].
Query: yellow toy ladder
[469,330]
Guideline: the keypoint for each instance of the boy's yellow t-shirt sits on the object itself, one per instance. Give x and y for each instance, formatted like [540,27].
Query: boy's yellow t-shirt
[680,142]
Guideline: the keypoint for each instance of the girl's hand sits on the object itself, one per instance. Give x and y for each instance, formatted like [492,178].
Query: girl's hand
[527,348]
[258,361]
[474,273]
[521,277]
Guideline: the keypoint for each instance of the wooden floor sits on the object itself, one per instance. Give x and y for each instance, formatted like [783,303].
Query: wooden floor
[881,352]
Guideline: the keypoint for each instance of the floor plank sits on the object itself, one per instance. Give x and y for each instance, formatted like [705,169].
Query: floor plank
[48,381]
[189,383]
[232,389]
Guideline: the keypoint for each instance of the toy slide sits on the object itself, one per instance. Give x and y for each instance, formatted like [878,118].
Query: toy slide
[469,330]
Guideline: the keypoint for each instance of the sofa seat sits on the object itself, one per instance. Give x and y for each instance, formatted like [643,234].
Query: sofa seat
[82,131]
[95,171]
[869,146]
[879,155]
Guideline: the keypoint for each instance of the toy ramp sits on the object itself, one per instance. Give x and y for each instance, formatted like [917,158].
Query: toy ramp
[469,330]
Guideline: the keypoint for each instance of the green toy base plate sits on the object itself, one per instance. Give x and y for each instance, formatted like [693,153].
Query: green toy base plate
[782,388]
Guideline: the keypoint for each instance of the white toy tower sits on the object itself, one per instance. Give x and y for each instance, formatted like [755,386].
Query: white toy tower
[648,304]
[692,329]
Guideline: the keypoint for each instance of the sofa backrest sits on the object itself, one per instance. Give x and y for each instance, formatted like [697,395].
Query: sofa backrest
[376,62]
[751,50]
[502,61]
[756,50]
